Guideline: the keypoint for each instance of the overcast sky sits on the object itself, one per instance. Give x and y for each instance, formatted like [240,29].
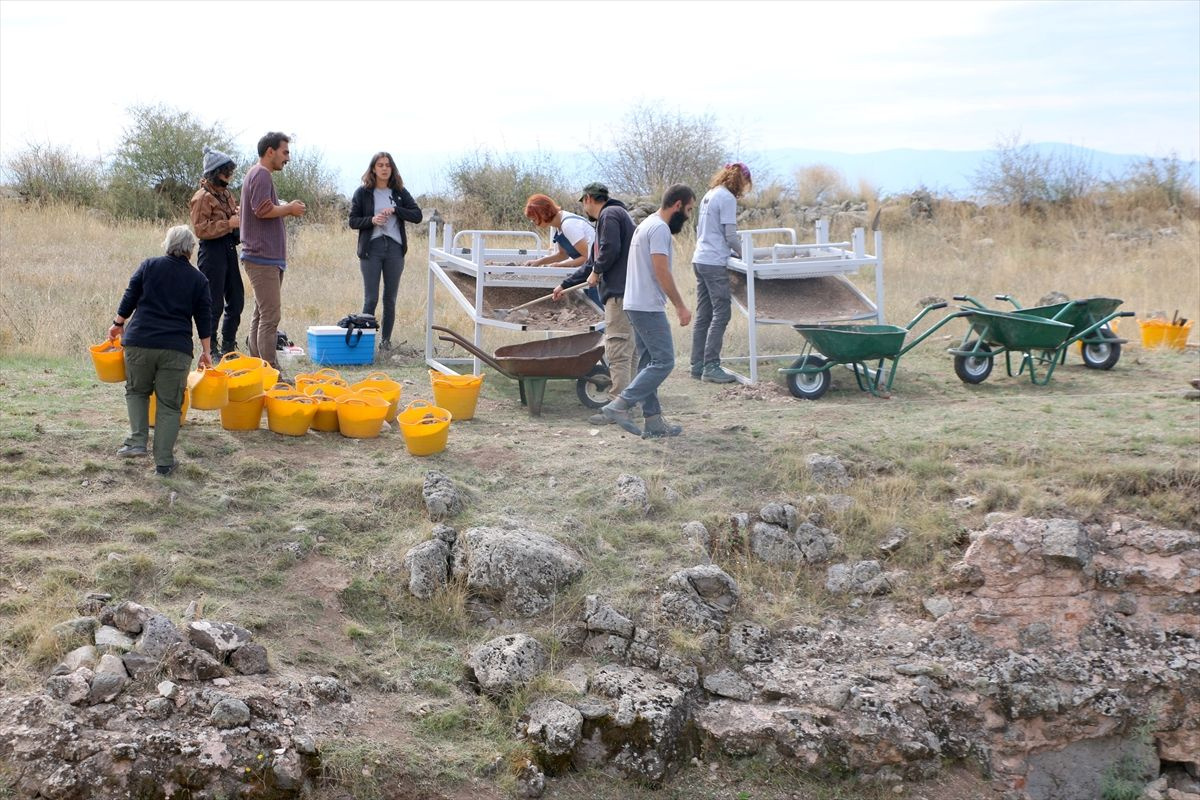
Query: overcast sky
[428,79]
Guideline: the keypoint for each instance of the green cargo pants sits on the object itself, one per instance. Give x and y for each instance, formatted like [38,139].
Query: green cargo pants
[163,372]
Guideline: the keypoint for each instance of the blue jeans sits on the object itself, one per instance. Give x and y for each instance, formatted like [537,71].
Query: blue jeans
[652,332]
[712,314]
[384,258]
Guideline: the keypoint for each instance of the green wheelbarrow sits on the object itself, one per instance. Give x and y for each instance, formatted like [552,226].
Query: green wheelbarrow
[1101,347]
[853,345]
[1041,335]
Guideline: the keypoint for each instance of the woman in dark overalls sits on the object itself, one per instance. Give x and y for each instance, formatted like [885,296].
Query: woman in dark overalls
[572,235]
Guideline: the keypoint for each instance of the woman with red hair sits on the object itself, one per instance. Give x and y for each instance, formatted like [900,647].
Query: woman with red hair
[571,234]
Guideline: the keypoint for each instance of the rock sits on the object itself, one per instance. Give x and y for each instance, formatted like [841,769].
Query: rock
[129,616]
[698,536]
[229,713]
[79,657]
[91,604]
[827,471]
[750,643]
[700,598]
[678,671]
[159,708]
[107,685]
[531,782]
[965,503]
[860,578]
[632,493]
[1078,771]
[158,634]
[728,683]
[938,606]
[329,689]
[506,663]
[804,542]
[108,639]
[75,633]
[250,659]
[168,689]
[783,515]
[652,717]
[522,570]
[553,728]
[428,567]
[73,689]
[895,539]
[1065,540]
[444,532]
[603,618]
[186,663]
[218,639]
[442,499]
[139,665]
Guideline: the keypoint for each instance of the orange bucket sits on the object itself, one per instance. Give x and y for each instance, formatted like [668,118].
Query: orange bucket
[458,394]
[183,409]
[109,360]
[209,389]
[388,388]
[243,415]
[426,428]
[326,394]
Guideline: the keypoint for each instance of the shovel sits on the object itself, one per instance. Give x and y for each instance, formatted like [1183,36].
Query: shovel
[501,313]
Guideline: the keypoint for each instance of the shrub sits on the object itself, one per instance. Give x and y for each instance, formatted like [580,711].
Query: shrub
[159,161]
[46,172]
[654,149]
[493,188]
[307,178]
[821,184]
[1158,184]
[1016,174]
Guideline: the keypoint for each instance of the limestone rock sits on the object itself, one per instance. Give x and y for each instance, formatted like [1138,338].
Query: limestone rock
[861,578]
[230,713]
[553,727]
[442,499]
[79,657]
[506,663]
[603,618]
[73,688]
[218,639]
[647,722]
[633,493]
[129,617]
[428,567]
[520,569]
[728,683]
[158,634]
[750,643]
[75,633]
[109,639]
[329,689]
[827,471]
[250,659]
[186,663]
[700,598]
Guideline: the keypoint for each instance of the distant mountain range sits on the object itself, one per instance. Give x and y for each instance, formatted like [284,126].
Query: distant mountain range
[947,172]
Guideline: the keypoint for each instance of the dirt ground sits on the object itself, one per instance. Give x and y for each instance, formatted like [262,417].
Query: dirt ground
[572,313]
[800,300]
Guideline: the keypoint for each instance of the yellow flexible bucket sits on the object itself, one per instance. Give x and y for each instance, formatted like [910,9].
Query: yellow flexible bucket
[360,414]
[426,428]
[183,409]
[458,394]
[109,360]
[1176,336]
[269,376]
[306,379]
[389,388]
[326,394]
[209,389]
[1153,332]
[245,375]
[289,412]
[243,415]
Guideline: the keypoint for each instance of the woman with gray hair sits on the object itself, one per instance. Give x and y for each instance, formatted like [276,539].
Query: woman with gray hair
[167,293]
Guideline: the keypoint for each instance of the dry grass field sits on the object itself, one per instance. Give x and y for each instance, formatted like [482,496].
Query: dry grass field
[1090,445]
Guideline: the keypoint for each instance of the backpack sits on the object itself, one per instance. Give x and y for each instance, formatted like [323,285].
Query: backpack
[356,324]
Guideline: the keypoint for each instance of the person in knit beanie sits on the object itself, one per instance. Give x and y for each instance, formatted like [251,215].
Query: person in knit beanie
[216,220]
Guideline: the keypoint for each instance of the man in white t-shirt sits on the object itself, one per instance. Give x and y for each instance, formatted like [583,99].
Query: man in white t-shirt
[648,286]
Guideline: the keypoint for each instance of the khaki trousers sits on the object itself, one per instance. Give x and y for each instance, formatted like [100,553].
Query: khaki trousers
[620,349]
[163,372]
[267,282]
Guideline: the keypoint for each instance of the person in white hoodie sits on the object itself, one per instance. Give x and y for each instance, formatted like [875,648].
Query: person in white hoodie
[716,239]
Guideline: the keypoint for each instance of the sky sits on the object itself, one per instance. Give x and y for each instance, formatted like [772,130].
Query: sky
[432,82]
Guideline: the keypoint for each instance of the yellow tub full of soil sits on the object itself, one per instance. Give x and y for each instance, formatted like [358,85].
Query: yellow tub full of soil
[109,360]
[426,428]
[183,409]
[209,389]
[289,412]
[326,394]
[269,376]
[360,414]
[243,415]
[245,375]
[389,388]
[458,394]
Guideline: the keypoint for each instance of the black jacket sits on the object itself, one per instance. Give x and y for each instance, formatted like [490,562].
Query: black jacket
[168,293]
[362,208]
[609,256]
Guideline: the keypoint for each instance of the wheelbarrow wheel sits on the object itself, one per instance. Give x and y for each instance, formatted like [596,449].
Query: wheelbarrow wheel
[593,388]
[1102,355]
[973,369]
[809,385]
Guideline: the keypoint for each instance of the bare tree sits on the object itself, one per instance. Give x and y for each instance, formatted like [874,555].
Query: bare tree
[654,149]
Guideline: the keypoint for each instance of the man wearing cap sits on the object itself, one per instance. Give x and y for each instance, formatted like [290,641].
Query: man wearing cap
[264,242]
[605,268]
[215,220]
[648,286]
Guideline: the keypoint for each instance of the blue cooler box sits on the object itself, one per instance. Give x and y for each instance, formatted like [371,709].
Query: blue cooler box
[327,345]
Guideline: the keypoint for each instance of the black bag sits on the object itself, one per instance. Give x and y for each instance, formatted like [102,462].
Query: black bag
[282,340]
[356,324]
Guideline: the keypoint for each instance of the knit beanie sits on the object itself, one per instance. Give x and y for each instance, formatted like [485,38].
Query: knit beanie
[214,159]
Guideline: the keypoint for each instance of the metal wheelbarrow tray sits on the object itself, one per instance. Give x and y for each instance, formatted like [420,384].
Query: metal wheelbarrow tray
[1042,335]
[854,345]
[531,364]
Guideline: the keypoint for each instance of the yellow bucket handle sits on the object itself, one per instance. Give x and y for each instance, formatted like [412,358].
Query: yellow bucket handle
[333,373]
[418,404]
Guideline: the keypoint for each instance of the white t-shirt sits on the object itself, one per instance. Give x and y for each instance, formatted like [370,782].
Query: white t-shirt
[642,292]
[718,208]
[575,227]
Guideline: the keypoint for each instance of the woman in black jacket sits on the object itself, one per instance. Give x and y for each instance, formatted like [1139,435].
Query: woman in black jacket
[378,211]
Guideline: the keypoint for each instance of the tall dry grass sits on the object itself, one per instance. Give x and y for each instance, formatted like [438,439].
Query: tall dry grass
[63,270]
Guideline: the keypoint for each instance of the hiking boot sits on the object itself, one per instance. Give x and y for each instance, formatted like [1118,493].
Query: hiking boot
[697,371]
[618,413]
[163,470]
[659,428]
[599,419]
[132,450]
[714,373]
[386,344]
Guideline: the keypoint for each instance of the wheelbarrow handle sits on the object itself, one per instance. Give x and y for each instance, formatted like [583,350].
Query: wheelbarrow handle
[1125,314]
[454,338]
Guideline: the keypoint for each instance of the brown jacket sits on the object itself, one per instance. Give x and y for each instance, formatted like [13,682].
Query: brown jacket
[211,209]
